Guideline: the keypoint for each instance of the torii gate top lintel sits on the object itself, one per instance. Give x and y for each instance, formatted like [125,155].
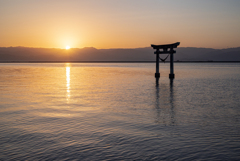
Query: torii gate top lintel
[174,45]
[166,47]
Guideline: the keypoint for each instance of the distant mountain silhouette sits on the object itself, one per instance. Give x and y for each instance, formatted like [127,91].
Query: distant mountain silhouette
[93,54]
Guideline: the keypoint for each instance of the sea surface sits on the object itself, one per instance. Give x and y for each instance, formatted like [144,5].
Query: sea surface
[117,111]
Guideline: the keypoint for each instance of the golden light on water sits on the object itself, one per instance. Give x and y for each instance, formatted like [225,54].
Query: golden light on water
[68,82]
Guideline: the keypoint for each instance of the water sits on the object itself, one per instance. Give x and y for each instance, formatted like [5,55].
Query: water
[116,112]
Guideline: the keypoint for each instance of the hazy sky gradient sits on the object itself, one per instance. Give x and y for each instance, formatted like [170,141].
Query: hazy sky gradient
[119,23]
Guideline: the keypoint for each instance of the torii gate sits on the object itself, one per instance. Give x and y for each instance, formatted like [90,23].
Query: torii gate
[166,49]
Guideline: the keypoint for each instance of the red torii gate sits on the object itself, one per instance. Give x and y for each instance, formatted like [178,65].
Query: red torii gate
[165,49]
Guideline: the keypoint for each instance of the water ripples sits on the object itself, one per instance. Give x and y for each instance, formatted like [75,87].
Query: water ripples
[116,112]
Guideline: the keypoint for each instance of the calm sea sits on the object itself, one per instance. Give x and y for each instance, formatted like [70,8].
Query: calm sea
[115,111]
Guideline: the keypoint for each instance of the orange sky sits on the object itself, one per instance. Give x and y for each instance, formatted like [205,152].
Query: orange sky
[119,23]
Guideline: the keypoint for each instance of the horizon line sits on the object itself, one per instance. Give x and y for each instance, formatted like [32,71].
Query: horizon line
[106,48]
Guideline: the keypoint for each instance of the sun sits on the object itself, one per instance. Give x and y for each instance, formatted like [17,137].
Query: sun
[67,47]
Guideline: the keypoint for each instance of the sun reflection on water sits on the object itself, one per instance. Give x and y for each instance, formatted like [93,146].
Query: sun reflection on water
[68,82]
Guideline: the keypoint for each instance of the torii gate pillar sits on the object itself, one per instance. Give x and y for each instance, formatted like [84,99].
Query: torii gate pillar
[165,49]
[171,75]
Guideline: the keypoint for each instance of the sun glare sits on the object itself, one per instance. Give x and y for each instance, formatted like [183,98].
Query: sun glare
[67,47]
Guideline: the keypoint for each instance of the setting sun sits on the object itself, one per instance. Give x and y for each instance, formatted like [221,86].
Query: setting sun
[67,47]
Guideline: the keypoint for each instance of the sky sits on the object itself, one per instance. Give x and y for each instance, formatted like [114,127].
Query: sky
[107,24]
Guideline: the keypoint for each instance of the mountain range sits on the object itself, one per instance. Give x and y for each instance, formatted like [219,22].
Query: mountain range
[12,54]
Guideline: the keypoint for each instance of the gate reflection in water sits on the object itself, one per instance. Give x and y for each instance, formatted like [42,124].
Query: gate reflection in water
[165,103]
